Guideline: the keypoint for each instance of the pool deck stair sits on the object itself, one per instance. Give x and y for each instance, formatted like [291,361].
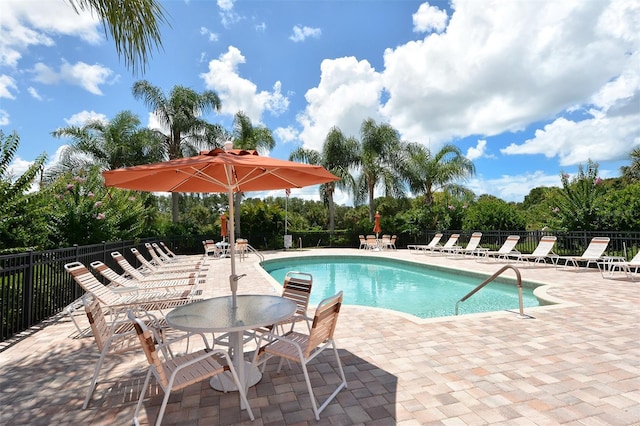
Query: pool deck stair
[575,363]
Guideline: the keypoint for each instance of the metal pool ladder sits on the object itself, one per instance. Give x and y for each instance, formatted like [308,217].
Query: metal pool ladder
[493,277]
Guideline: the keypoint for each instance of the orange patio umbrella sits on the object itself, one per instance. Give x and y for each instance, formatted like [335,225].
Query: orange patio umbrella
[223,226]
[220,170]
[376,224]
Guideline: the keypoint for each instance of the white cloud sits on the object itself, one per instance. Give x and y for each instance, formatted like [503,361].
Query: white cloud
[7,84]
[81,118]
[286,134]
[348,93]
[240,94]
[24,26]
[503,66]
[4,118]
[301,33]
[261,27]
[429,18]
[89,77]
[512,187]
[227,15]
[211,36]
[479,151]
[34,93]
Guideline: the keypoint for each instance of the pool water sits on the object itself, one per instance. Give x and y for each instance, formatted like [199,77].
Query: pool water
[415,289]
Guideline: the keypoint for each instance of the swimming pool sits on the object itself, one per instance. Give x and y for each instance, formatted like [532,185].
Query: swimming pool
[421,290]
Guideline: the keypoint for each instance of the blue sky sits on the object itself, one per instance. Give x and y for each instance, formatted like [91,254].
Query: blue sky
[526,89]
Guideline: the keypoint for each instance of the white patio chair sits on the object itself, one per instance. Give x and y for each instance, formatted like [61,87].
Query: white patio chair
[303,348]
[433,243]
[178,372]
[542,252]
[157,284]
[507,249]
[592,254]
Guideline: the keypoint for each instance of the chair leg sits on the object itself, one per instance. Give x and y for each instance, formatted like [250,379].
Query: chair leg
[94,379]
[142,393]
[314,404]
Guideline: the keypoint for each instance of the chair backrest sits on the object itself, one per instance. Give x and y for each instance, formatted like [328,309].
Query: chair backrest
[596,248]
[474,241]
[163,256]
[545,245]
[324,322]
[97,321]
[435,240]
[166,249]
[90,283]
[143,261]
[636,259]
[297,287]
[154,256]
[509,244]
[126,266]
[453,239]
[109,273]
[148,343]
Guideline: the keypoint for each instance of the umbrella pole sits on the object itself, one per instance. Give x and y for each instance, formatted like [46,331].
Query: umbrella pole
[233,278]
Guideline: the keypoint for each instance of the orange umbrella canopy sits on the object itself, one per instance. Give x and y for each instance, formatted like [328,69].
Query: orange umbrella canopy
[219,171]
[376,224]
[223,225]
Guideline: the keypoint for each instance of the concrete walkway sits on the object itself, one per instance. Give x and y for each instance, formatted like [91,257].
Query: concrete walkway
[574,363]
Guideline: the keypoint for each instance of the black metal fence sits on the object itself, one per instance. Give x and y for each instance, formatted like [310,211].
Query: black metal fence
[34,285]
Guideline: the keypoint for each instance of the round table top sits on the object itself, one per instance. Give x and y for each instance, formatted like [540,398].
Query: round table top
[217,314]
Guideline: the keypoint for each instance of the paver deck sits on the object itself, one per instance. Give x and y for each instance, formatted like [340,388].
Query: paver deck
[574,363]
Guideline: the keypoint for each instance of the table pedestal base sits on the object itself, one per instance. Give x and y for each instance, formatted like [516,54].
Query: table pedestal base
[224,382]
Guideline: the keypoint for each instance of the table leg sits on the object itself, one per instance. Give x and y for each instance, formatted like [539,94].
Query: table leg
[247,374]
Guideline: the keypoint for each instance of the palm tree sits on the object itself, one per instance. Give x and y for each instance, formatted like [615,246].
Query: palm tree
[109,145]
[13,190]
[381,162]
[631,173]
[338,155]
[427,173]
[247,136]
[134,26]
[180,115]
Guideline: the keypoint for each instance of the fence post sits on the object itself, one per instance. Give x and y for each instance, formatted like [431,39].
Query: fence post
[27,293]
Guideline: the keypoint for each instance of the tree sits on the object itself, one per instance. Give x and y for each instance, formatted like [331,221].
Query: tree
[577,205]
[134,26]
[109,145]
[338,155]
[180,115]
[19,217]
[381,162]
[492,213]
[631,173]
[427,173]
[247,136]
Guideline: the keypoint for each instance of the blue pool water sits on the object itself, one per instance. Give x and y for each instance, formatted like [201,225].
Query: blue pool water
[406,287]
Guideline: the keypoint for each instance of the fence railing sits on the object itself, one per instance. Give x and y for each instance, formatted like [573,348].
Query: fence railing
[34,285]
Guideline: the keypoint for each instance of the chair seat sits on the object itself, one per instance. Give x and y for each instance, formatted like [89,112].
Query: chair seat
[198,371]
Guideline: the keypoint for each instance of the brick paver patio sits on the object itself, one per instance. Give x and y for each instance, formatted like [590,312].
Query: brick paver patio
[574,363]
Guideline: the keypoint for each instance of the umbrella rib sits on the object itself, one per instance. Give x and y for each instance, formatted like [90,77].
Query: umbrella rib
[266,172]
[198,174]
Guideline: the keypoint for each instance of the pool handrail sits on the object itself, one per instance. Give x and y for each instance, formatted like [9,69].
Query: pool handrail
[493,277]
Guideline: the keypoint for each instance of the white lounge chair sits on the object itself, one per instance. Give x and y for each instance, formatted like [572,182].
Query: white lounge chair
[503,252]
[158,284]
[433,243]
[542,252]
[473,246]
[448,245]
[630,268]
[592,254]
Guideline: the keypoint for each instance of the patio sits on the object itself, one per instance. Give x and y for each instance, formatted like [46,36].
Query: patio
[576,363]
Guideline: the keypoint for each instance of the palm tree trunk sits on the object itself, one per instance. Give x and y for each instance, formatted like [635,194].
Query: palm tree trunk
[174,207]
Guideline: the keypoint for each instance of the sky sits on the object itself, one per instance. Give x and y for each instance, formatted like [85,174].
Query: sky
[527,89]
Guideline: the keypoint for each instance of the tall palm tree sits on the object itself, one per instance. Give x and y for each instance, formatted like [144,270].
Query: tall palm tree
[338,155]
[631,173]
[381,162]
[179,114]
[247,136]
[109,145]
[134,26]
[427,173]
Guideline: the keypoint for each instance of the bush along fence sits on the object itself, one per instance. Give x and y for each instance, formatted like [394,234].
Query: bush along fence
[35,287]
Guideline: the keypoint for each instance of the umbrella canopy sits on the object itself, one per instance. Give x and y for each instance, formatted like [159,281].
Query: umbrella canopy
[223,226]
[376,224]
[220,170]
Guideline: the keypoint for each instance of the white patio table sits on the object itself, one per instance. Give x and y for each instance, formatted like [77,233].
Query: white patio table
[216,315]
